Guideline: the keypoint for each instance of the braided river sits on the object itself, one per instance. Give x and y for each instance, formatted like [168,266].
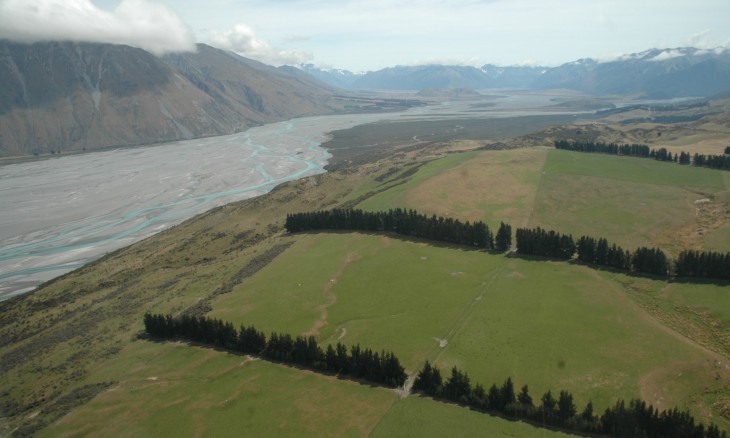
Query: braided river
[58,214]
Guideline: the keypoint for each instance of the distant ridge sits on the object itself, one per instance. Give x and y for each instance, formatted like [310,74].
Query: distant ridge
[655,73]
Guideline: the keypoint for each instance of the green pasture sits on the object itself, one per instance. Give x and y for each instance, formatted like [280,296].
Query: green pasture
[393,198]
[550,325]
[168,389]
[626,213]
[630,201]
[357,288]
[491,186]
[632,169]
[425,418]
[718,239]
[712,300]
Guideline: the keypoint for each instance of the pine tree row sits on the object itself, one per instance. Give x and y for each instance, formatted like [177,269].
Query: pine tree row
[598,252]
[704,264]
[544,243]
[401,221]
[382,368]
[646,260]
[721,162]
[536,241]
[637,419]
[633,150]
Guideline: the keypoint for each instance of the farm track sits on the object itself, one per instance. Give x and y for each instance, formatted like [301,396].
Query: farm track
[463,318]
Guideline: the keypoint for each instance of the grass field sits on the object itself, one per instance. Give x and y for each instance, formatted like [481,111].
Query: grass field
[419,417]
[490,186]
[632,202]
[175,390]
[362,289]
[551,325]
[629,201]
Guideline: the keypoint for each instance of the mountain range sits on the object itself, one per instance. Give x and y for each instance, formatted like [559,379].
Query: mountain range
[655,73]
[58,97]
[63,96]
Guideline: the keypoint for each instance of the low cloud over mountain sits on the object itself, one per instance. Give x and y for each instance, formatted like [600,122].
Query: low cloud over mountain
[63,96]
[138,23]
[242,39]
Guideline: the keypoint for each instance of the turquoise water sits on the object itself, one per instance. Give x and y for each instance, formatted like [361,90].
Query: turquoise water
[58,214]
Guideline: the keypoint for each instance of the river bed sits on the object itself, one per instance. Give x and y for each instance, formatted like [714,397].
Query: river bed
[58,214]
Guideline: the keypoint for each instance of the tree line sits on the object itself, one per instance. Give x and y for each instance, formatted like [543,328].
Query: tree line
[696,264]
[401,221]
[646,260]
[536,241]
[721,161]
[705,264]
[544,243]
[382,368]
[635,420]
[633,150]
[549,243]
[598,252]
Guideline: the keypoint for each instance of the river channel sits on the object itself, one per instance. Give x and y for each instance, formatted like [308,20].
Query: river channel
[58,214]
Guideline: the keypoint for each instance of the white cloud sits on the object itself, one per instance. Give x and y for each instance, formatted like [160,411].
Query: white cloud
[461,62]
[667,54]
[242,39]
[699,40]
[139,23]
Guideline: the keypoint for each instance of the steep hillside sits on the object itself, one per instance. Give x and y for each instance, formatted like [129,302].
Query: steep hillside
[59,97]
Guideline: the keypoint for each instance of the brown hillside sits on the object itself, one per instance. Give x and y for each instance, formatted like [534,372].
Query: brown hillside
[81,96]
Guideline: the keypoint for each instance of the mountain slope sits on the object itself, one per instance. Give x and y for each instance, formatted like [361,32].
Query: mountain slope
[422,77]
[656,73]
[334,77]
[81,96]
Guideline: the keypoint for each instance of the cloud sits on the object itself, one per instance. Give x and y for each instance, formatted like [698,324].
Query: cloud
[243,40]
[139,23]
[699,40]
[667,54]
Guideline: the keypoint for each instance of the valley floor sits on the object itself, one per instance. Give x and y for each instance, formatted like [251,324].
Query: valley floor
[73,364]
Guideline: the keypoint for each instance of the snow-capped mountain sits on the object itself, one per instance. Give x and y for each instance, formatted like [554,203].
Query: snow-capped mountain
[677,72]
[673,72]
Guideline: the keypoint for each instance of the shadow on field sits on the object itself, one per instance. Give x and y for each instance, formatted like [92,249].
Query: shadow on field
[143,336]
[404,238]
[495,414]
[668,278]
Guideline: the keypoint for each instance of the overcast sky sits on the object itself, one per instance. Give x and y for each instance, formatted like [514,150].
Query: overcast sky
[362,35]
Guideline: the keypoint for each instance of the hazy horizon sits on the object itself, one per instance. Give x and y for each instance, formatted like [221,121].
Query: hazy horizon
[363,36]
